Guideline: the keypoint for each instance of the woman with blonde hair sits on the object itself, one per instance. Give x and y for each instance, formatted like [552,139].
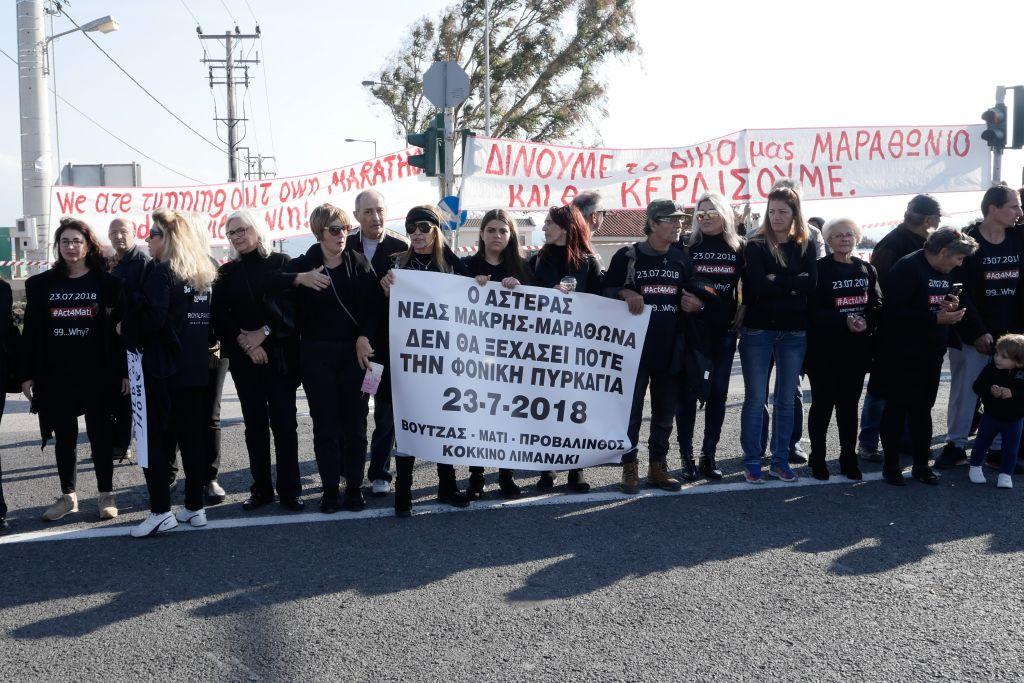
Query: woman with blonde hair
[716,251]
[427,251]
[781,271]
[169,326]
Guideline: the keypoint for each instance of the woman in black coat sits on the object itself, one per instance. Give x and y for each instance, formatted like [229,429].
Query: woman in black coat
[73,360]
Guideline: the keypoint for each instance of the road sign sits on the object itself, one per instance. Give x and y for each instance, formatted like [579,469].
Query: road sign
[445,84]
[453,218]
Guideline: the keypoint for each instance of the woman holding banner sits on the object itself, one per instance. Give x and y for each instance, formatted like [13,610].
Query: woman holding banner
[170,326]
[497,259]
[845,310]
[717,255]
[257,338]
[335,324]
[781,271]
[566,262]
[427,252]
[73,360]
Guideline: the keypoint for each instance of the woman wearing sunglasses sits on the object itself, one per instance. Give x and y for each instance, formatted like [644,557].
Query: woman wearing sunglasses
[428,252]
[335,324]
[717,254]
[73,360]
[497,259]
[566,262]
[258,340]
[169,325]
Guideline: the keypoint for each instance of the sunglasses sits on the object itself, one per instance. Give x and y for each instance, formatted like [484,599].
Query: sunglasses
[423,226]
[706,215]
[670,219]
[155,232]
[336,230]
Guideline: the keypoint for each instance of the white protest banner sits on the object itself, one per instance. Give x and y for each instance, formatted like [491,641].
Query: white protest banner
[529,379]
[283,203]
[829,163]
[137,391]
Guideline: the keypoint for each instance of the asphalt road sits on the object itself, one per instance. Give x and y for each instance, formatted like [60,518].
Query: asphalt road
[727,582]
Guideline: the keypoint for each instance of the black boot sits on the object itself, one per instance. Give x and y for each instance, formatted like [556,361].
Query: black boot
[849,468]
[475,490]
[448,489]
[709,468]
[689,472]
[819,470]
[577,484]
[354,501]
[403,486]
[507,485]
[546,482]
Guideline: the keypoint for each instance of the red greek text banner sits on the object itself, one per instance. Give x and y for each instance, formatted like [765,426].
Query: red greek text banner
[283,203]
[829,163]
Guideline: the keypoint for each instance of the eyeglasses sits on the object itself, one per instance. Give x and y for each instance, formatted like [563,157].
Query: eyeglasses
[154,233]
[670,219]
[423,226]
[336,230]
[706,215]
[601,213]
[237,231]
[72,243]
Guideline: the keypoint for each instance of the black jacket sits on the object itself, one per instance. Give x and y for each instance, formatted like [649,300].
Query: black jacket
[388,246]
[11,374]
[897,243]
[779,303]
[129,270]
[549,267]
[1003,409]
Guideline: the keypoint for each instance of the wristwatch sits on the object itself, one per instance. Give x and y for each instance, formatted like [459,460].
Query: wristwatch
[266,330]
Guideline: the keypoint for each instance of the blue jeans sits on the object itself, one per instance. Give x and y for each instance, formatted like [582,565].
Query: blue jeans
[758,348]
[722,352]
[988,429]
[870,422]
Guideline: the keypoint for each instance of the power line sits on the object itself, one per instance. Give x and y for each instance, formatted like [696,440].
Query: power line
[187,9]
[251,12]
[143,88]
[230,15]
[111,134]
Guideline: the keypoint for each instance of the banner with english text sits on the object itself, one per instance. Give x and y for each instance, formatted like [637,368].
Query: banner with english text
[284,204]
[829,163]
[528,379]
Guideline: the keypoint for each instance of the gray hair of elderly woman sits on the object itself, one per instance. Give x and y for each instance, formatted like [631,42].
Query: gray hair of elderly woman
[263,239]
[830,227]
[952,240]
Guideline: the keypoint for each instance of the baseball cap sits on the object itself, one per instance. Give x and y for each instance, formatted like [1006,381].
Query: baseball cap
[664,208]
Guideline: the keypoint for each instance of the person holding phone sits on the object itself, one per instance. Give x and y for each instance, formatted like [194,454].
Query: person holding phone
[918,309]
[844,313]
[335,324]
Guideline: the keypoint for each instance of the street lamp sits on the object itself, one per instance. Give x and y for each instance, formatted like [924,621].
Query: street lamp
[105,24]
[371,142]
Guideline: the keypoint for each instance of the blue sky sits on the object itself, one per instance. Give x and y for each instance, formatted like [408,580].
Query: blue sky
[706,70]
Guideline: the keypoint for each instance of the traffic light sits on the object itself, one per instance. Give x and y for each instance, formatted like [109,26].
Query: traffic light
[431,141]
[1018,117]
[995,130]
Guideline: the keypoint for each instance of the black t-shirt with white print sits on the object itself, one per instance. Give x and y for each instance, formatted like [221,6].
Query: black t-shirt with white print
[719,264]
[73,342]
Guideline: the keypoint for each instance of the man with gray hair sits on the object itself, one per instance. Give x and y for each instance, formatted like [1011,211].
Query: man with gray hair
[919,305]
[378,245]
[590,205]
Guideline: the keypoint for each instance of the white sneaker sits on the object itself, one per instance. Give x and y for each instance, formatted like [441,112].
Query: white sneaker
[381,487]
[155,524]
[1005,481]
[193,517]
[976,475]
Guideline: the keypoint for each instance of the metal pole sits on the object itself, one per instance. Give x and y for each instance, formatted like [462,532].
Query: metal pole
[36,172]
[448,182]
[487,68]
[230,82]
[997,152]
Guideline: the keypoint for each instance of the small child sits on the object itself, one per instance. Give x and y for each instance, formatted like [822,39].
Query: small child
[1001,388]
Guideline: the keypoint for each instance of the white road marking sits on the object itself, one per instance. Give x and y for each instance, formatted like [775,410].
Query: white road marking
[431,509]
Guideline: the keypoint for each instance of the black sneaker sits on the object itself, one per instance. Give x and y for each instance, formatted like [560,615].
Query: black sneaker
[896,479]
[689,471]
[577,483]
[709,468]
[4,526]
[475,490]
[546,482]
[256,501]
[354,501]
[950,457]
[508,487]
[852,472]
[820,473]
[926,476]
[329,503]
[453,497]
[797,456]
[293,504]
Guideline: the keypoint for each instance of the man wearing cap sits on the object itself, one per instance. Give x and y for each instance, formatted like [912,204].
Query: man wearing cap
[921,217]
[991,281]
[378,245]
[654,272]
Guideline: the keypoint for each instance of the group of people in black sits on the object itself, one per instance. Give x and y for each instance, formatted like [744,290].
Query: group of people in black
[791,299]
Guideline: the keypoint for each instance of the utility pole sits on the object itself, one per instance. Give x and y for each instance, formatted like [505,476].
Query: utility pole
[254,165]
[36,164]
[229,65]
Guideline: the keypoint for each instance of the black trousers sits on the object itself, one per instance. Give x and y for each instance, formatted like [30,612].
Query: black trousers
[211,434]
[835,387]
[910,389]
[65,434]
[383,439]
[267,400]
[174,415]
[123,423]
[446,480]
[664,394]
[3,503]
[333,381]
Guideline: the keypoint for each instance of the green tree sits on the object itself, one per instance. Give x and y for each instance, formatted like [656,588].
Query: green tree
[545,55]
